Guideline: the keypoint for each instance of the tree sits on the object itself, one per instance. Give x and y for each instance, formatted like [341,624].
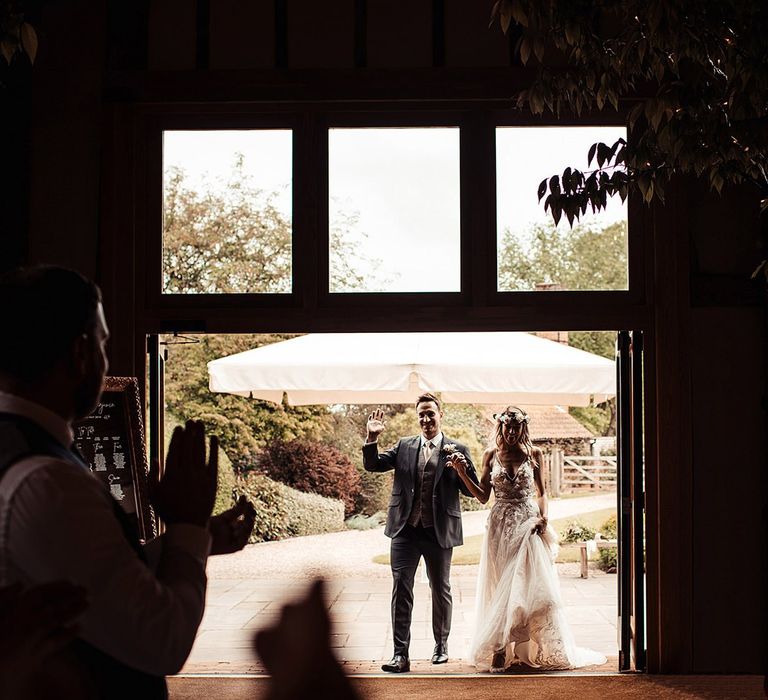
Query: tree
[232,238]
[244,426]
[584,258]
[694,72]
[224,240]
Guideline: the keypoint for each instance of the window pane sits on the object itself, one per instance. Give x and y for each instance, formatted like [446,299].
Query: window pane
[533,253]
[394,210]
[227,212]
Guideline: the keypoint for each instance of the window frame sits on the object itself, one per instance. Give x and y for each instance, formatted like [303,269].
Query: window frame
[311,305]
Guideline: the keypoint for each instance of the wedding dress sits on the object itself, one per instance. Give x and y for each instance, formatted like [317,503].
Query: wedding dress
[518,606]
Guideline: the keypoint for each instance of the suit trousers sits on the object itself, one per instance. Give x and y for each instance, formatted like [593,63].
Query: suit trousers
[407,548]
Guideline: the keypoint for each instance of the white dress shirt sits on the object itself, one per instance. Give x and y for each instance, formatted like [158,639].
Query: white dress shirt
[435,441]
[55,523]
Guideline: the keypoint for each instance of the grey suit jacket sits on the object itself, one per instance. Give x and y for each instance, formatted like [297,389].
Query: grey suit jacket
[403,458]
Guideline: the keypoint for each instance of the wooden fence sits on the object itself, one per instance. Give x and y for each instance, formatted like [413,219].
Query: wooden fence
[576,473]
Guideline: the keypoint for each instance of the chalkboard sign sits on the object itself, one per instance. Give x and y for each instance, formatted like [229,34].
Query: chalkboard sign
[112,441]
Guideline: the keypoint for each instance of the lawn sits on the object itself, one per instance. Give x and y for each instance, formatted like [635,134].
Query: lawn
[469,552]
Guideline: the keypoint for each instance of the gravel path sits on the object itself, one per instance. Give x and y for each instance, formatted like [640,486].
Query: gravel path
[350,552]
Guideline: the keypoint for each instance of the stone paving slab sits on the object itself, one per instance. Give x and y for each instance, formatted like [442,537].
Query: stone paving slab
[360,613]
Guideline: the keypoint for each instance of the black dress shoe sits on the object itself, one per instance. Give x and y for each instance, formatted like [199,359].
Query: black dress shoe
[441,654]
[397,664]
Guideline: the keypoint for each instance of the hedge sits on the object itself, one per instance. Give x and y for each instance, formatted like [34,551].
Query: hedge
[283,512]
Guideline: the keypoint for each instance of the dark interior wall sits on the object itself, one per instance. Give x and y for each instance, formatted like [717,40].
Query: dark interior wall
[72,221]
[65,136]
[729,486]
[728,421]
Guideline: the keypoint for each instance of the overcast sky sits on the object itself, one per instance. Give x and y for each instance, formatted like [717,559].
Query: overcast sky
[402,183]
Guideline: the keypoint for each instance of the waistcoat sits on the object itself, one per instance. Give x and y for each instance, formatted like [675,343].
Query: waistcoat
[21,438]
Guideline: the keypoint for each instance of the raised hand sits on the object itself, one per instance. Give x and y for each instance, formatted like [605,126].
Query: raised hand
[296,651]
[187,490]
[230,530]
[375,425]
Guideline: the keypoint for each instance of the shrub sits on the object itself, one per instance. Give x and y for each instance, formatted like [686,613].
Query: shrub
[609,528]
[283,512]
[313,467]
[272,522]
[310,514]
[577,532]
[375,491]
[471,503]
[608,560]
[227,482]
[362,522]
[225,491]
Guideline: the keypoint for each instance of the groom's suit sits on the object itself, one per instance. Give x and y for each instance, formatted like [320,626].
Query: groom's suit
[423,519]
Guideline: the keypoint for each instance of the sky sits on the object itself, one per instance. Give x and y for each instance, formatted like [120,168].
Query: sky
[401,184]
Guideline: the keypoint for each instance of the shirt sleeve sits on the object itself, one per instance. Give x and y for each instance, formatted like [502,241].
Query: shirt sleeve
[62,527]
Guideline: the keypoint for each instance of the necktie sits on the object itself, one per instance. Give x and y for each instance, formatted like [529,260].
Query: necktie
[427,451]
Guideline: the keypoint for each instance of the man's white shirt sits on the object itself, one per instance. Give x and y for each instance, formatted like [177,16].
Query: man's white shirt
[55,523]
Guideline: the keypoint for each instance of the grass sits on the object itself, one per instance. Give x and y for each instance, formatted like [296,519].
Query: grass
[469,552]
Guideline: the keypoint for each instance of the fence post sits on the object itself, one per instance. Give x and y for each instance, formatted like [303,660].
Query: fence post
[556,471]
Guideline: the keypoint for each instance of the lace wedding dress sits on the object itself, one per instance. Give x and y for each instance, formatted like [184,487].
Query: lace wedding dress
[518,594]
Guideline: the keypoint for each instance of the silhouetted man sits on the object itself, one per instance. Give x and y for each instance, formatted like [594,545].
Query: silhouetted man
[58,521]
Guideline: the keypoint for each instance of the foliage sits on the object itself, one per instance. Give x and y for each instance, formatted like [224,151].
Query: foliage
[601,420]
[601,343]
[694,73]
[231,238]
[17,37]
[283,512]
[363,522]
[608,560]
[272,518]
[576,531]
[227,480]
[243,425]
[588,257]
[609,529]
[311,514]
[313,467]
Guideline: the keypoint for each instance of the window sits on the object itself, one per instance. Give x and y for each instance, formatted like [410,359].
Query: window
[394,223]
[533,253]
[227,212]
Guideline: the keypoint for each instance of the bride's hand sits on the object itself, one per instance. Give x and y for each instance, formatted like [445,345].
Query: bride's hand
[540,526]
[458,462]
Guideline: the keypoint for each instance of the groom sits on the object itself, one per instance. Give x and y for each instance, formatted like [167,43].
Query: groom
[423,519]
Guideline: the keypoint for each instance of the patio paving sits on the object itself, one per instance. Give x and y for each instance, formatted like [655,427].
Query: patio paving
[246,591]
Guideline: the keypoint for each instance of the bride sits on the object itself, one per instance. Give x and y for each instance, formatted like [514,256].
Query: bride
[519,616]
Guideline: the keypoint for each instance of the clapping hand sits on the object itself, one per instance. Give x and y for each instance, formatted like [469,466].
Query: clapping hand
[230,530]
[187,490]
[297,654]
[375,425]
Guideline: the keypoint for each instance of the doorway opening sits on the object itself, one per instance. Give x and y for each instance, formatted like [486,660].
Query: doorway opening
[593,475]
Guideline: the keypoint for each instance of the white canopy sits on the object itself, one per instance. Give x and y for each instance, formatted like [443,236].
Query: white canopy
[368,368]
